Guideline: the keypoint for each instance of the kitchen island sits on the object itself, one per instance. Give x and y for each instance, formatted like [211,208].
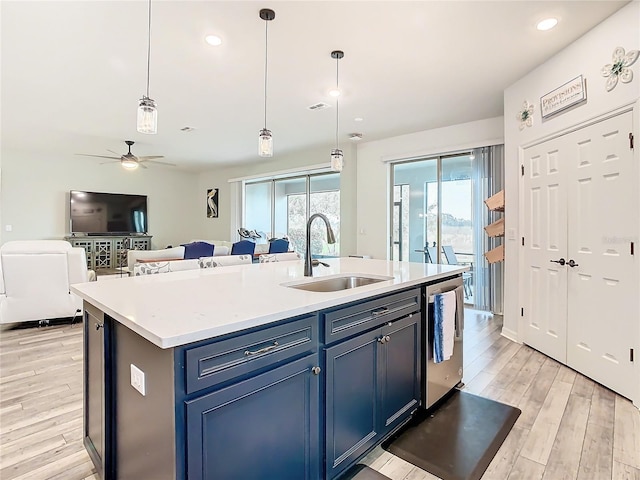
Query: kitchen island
[242,372]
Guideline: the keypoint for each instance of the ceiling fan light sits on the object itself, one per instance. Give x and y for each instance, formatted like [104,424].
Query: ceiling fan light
[129,164]
[147,116]
[337,160]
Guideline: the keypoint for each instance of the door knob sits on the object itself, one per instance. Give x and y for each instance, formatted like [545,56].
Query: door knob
[562,261]
[571,263]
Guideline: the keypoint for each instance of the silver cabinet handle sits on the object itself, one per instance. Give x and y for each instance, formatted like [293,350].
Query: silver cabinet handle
[379,311]
[561,261]
[316,370]
[382,339]
[387,339]
[99,325]
[262,350]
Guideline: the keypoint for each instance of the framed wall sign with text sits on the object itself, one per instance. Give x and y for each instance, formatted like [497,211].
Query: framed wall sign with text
[571,93]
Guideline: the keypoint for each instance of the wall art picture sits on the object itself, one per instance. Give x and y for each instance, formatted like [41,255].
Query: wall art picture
[212,203]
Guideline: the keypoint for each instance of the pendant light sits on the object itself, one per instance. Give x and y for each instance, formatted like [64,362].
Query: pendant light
[337,158]
[147,112]
[265,140]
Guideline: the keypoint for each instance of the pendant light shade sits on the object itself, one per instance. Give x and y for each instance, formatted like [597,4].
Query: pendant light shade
[337,157]
[147,116]
[265,139]
[147,112]
[265,143]
[337,160]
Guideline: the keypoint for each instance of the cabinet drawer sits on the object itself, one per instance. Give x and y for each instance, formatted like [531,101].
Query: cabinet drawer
[223,360]
[344,322]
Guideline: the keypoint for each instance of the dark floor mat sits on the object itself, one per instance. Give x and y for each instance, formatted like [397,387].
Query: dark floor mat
[458,440]
[363,472]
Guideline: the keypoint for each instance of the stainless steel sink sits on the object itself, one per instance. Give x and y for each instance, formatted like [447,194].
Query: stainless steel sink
[335,284]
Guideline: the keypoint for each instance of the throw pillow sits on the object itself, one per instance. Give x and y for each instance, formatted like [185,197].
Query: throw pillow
[197,249]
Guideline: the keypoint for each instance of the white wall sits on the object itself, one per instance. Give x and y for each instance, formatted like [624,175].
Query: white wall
[221,228]
[373,187]
[35,189]
[586,56]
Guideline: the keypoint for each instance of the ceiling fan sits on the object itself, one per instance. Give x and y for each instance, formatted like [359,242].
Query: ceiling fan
[129,160]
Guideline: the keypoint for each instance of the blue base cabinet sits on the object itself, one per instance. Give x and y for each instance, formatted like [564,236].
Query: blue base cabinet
[372,386]
[302,399]
[262,427]
[399,370]
[351,400]
[97,411]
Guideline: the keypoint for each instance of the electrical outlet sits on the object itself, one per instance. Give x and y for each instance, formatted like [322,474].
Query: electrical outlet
[137,379]
[8,228]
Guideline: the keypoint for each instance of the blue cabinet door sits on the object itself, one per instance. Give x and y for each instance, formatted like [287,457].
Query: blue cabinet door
[262,427]
[351,400]
[97,391]
[399,370]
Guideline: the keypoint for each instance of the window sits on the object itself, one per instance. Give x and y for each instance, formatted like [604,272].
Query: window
[281,207]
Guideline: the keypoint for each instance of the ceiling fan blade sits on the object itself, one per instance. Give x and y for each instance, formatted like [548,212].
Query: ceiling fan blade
[150,157]
[141,165]
[115,153]
[114,161]
[159,163]
[99,156]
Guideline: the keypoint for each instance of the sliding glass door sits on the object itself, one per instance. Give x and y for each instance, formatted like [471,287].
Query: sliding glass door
[415,212]
[432,211]
[281,207]
[438,216]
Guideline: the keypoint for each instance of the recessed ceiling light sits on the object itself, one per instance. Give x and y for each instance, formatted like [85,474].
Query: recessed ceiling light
[213,40]
[358,119]
[355,136]
[334,93]
[547,24]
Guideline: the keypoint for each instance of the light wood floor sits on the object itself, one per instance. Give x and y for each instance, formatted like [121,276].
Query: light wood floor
[570,427]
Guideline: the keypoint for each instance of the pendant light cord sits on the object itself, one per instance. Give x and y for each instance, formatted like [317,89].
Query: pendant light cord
[266,53]
[149,50]
[337,103]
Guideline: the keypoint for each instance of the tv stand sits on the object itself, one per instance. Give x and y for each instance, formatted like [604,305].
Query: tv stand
[106,251]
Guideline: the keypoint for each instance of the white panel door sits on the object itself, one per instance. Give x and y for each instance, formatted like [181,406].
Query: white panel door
[603,221]
[545,233]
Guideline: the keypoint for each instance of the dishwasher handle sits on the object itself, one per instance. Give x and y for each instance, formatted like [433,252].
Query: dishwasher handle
[459,291]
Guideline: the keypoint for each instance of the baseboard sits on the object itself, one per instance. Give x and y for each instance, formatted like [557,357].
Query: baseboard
[510,334]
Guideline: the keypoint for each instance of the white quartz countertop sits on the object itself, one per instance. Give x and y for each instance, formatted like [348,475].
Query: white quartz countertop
[172,309]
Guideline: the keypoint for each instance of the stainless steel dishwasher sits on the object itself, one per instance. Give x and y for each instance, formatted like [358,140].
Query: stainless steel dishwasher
[444,376]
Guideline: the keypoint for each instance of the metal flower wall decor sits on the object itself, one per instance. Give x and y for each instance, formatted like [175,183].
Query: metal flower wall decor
[525,115]
[619,67]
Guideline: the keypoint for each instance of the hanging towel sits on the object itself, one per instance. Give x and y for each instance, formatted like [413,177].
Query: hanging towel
[444,325]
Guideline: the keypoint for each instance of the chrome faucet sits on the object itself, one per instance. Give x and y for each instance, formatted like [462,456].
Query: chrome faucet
[308,265]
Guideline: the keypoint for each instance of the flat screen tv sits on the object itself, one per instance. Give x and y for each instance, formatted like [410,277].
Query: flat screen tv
[94,213]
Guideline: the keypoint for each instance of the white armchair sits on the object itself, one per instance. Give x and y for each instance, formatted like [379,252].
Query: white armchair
[35,276]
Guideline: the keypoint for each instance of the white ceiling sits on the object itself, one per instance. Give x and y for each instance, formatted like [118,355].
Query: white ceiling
[72,72]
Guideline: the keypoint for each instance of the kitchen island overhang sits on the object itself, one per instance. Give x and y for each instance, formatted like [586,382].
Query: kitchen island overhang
[177,308]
